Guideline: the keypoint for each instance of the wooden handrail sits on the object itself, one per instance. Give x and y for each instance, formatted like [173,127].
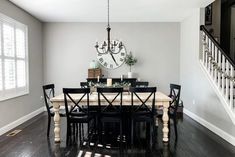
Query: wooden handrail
[203,28]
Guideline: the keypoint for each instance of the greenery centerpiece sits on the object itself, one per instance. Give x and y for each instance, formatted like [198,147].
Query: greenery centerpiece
[130,60]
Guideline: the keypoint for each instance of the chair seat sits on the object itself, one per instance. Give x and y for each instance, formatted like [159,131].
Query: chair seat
[93,110]
[111,119]
[141,113]
[110,114]
[142,118]
[75,113]
[80,119]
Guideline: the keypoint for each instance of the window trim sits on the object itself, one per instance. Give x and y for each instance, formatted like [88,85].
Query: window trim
[17,91]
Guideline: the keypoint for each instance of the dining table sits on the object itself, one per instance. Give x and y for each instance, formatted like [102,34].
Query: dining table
[161,101]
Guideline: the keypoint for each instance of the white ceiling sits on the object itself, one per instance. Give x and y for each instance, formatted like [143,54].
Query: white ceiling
[120,10]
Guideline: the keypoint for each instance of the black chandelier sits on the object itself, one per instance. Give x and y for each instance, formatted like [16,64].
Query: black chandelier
[112,47]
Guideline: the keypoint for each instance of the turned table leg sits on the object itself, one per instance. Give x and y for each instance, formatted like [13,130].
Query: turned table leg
[165,119]
[56,107]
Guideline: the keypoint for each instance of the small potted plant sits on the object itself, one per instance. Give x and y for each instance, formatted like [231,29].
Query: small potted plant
[130,61]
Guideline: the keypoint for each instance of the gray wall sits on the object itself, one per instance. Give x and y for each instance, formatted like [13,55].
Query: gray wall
[13,109]
[195,85]
[69,48]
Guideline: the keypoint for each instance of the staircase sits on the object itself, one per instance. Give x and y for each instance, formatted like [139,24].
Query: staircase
[219,69]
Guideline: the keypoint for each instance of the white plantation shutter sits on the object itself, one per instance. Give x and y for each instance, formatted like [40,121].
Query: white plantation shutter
[20,43]
[8,40]
[21,74]
[10,81]
[13,58]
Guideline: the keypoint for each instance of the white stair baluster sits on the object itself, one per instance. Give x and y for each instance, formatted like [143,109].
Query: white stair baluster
[216,61]
[219,65]
[212,58]
[203,47]
[207,49]
[227,80]
[209,57]
[231,86]
[223,69]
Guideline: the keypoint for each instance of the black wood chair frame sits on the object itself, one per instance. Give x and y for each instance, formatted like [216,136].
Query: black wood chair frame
[49,92]
[110,112]
[175,91]
[143,113]
[78,113]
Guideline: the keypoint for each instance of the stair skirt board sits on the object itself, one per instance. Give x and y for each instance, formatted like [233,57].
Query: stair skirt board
[218,93]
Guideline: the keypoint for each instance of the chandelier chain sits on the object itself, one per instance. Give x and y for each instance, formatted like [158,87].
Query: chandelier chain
[108,13]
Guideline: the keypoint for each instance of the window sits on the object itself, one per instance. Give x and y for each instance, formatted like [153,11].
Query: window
[13,58]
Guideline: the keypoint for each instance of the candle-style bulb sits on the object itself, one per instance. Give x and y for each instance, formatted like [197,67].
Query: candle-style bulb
[98,78]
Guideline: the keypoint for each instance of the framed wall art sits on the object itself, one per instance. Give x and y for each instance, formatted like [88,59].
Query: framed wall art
[208,15]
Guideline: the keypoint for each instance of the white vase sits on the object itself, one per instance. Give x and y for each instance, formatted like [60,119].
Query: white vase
[129,75]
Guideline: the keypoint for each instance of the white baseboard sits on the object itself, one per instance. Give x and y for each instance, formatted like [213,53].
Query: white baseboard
[229,138]
[19,121]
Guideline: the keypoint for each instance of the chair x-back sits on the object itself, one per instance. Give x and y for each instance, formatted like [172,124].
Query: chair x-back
[110,106]
[79,110]
[140,110]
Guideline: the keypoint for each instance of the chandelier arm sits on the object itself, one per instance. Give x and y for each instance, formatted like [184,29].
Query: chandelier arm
[104,51]
[100,53]
[116,52]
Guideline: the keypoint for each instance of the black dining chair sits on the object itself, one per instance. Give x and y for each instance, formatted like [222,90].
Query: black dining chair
[84,84]
[49,92]
[110,108]
[172,112]
[141,84]
[77,111]
[93,109]
[141,110]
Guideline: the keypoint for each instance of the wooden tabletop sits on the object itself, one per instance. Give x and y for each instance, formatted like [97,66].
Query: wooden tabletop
[93,98]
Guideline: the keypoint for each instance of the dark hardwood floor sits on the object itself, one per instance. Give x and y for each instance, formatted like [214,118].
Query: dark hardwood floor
[194,140]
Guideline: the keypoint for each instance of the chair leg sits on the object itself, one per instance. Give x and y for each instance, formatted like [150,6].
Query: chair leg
[48,126]
[121,136]
[68,135]
[99,125]
[80,137]
[175,127]
[88,133]
[132,132]
[82,132]
[152,135]
[148,130]
[74,126]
